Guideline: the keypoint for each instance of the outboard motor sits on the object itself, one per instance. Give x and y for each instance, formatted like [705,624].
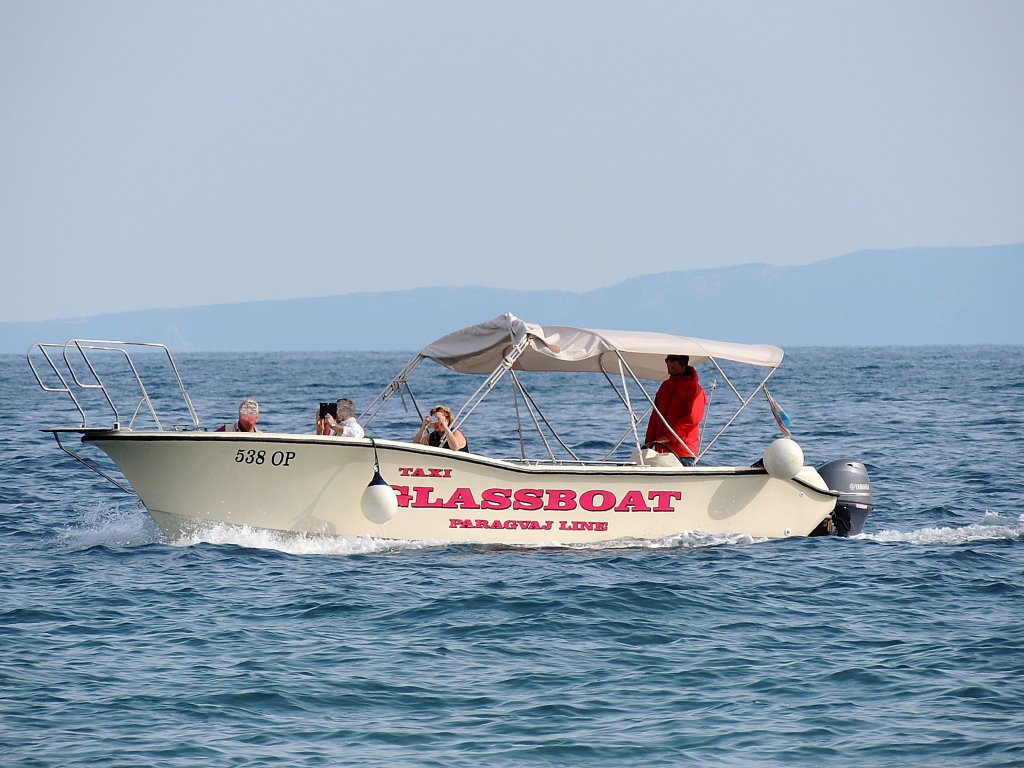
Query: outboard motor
[850,479]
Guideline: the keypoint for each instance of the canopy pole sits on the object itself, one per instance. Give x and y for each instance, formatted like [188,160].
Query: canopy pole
[535,411]
[659,413]
[743,405]
[395,386]
[505,366]
[704,421]
[626,434]
[519,417]
[629,405]
[624,399]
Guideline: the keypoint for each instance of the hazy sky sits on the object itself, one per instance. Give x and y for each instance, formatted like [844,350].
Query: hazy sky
[182,153]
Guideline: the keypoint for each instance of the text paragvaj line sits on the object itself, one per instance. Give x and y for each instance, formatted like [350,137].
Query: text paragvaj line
[530,525]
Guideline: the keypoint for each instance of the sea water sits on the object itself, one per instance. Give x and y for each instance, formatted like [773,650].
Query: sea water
[902,646]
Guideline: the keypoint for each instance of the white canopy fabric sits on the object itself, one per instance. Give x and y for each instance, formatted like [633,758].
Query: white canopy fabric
[479,349]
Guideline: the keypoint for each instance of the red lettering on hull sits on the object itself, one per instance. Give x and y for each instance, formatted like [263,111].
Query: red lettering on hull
[533,499]
[529,525]
[496,498]
[461,499]
[425,472]
[633,501]
[561,501]
[423,498]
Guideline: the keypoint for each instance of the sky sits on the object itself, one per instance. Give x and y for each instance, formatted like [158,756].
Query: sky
[179,154]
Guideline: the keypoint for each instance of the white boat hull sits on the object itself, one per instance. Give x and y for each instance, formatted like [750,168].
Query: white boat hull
[314,485]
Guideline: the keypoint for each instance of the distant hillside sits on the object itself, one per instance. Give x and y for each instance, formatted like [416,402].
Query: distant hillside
[901,297]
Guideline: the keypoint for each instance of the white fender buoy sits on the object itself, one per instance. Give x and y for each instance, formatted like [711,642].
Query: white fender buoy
[379,503]
[784,459]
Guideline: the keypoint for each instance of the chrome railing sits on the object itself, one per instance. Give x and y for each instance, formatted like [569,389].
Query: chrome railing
[77,371]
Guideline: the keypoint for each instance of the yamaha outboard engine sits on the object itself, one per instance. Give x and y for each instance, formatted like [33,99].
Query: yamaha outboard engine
[850,479]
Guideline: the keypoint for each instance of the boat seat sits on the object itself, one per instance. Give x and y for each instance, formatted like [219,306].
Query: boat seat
[648,457]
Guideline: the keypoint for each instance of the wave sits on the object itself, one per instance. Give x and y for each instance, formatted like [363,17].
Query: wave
[294,543]
[993,527]
[306,544]
[110,526]
[127,527]
[120,527]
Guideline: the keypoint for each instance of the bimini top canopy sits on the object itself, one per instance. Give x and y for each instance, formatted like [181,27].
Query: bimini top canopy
[480,348]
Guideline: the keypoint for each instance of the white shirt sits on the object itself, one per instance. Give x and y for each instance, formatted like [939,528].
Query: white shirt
[350,428]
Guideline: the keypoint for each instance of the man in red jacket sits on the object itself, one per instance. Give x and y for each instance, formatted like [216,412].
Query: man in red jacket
[681,400]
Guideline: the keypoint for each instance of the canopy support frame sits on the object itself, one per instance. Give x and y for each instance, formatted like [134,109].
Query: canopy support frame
[625,372]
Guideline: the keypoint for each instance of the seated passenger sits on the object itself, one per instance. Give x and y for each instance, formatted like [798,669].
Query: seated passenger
[248,414]
[441,435]
[345,425]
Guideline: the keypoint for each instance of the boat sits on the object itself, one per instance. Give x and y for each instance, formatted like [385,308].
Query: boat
[385,487]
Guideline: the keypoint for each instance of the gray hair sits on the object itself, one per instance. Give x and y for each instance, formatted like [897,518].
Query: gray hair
[346,408]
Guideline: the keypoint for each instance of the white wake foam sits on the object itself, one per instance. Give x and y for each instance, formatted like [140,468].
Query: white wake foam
[131,526]
[110,526]
[305,544]
[684,540]
[991,528]
[293,543]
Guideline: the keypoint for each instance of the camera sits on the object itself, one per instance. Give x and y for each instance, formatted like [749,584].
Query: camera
[331,408]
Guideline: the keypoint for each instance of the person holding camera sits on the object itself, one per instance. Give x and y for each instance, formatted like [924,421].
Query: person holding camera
[436,431]
[338,419]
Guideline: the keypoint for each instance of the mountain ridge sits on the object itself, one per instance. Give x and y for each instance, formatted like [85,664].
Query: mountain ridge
[912,296]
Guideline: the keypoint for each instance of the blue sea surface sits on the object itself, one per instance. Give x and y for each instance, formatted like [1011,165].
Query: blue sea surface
[903,646]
